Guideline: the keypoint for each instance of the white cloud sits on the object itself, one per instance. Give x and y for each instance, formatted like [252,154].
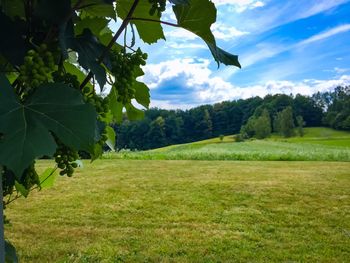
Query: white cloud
[280,13]
[195,71]
[319,6]
[198,85]
[170,105]
[326,34]
[186,45]
[225,32]
[180,34]
[240,5]
[264,51]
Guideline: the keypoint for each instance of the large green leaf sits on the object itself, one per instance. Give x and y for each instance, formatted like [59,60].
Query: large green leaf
[98,8]
[47,178]
[142,95]
[149,32]
[133,113]
[89,50]
[13,8]
[53,11]
[110,138]
[95,24]
[115,106]
[198,17]
[13,46]
[27,128]
[21,189]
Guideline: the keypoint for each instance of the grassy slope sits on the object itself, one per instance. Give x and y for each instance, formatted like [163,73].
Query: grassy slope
[318,144]
[185,211]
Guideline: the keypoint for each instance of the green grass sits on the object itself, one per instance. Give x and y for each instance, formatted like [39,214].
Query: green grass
[318,144]
[186,211]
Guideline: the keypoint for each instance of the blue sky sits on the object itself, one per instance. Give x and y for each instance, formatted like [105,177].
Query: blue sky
[284,46]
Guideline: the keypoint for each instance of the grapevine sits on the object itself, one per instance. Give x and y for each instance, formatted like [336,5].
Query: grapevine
[65,158]
[124,69]
[157,6]
[38,64]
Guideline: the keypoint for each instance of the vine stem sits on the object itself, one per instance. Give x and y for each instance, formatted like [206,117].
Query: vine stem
[154,20]
[2,235]
[32,189]
[113,40]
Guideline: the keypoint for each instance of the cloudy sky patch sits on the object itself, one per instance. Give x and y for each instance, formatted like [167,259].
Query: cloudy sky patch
[284,46]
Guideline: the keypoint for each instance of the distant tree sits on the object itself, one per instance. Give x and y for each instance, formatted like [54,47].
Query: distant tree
[173,129]
[338,111]
[248,130]
[301,124]
[262,125]
[306,107]
[284,123]
[203,125]
[156,133]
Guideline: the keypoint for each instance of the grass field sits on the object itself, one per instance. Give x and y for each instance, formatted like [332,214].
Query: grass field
[188,211]
[318,144]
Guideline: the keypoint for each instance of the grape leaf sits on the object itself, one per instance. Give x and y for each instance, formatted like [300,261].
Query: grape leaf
[179,2]
[133,113]
[13,8]
[53,11]
[12,45]
[110,138]
[27,128]
[142,95]
[89,50]
[95,24]
[149,32]
[115,106]
[21,189]
[198,17]
[98,8]
[47,178]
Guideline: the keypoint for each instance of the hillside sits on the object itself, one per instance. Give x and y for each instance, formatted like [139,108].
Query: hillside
[318,144]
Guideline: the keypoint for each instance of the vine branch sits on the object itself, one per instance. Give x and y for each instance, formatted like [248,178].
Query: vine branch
[32,189]
[154,20]
[113,40]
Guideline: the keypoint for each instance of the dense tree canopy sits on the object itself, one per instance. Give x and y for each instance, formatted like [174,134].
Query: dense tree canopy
[229,117]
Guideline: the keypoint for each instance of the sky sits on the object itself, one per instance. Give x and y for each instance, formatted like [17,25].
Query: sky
[284,46]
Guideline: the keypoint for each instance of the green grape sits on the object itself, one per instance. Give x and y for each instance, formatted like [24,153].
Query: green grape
[29,177]
[124,66]
[67,78]
[36,70]
[65,158]
[8,181]
[157,6]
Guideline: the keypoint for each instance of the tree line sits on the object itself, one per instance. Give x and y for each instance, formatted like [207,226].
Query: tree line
[253,117]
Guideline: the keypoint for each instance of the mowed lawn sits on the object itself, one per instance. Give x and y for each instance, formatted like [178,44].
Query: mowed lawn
[188,211]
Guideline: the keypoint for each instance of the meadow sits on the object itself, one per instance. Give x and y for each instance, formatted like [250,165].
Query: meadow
[318,144]
[188,211]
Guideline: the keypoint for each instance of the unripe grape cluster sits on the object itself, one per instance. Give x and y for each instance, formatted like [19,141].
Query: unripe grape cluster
[157,6]
[102,107]
[30,177]
[66,78]
[124,66]
[37,68]
[65,158]
[8,181]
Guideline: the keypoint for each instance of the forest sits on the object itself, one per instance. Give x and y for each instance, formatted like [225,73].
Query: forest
[248,117]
